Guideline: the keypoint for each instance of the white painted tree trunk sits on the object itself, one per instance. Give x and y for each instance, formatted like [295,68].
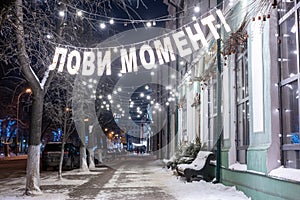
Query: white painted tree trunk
[83,163]
[33,171]
[91,158]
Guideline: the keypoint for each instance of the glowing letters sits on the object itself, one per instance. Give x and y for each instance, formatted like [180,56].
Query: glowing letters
[186,40]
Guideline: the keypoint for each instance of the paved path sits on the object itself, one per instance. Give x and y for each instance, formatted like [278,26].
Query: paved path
[133,179]
[128,179]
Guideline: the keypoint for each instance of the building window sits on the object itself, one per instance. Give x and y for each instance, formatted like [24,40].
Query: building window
[212,112]
[288,63]
[242,106]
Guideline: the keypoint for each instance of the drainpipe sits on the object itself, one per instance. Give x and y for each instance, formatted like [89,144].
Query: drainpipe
[219,100]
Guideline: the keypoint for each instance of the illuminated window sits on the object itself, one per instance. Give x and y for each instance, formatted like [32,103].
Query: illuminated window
[288,62]
[242,106]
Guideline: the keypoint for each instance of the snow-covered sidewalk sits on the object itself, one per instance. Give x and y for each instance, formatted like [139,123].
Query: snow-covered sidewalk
[132,179]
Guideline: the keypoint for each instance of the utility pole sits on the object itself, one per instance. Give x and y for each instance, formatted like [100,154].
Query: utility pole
[219,100]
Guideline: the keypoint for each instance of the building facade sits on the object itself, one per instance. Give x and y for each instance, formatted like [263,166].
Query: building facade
[252,103]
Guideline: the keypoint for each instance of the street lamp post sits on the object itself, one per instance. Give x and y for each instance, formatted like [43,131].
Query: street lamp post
[27,91]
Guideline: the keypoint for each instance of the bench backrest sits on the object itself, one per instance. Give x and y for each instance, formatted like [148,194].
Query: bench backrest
[201,158]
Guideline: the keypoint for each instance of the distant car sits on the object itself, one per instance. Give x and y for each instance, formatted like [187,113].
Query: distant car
[51,156]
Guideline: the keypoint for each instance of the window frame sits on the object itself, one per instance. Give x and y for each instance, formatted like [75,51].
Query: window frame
[288,150]
[242,100]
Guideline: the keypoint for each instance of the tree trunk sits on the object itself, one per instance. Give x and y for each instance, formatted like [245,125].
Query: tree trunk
[61,159]
[83,163]
[91,158]
[33,161]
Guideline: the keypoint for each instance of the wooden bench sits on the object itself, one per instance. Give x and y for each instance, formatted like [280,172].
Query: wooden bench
[198,168]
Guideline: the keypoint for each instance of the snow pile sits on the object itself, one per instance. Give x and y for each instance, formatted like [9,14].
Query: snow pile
[197,190]
[238,167]
[286,173]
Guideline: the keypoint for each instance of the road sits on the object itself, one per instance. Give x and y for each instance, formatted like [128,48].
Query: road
[12,168]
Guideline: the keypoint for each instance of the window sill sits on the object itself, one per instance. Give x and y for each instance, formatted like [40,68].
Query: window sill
[291,147]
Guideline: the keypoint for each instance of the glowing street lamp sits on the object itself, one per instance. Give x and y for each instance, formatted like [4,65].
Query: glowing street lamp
[27,91]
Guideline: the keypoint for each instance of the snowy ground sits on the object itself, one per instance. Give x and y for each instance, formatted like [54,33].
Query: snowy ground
[129,181]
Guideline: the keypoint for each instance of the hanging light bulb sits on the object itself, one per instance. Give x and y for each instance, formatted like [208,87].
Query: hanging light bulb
[148,24]
[102,25]
[61,13]
[79,13]
[111,21]
[197,9]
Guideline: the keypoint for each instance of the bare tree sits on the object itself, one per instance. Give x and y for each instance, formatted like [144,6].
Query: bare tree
[28,31]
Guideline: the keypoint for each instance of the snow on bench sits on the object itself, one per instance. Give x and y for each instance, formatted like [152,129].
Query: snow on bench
[199,167]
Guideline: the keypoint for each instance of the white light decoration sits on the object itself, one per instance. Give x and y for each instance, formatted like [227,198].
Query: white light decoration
[119,89]
[111,21]
[154,23]
[102,106]
[173,76]
[109,97]
[146,87]
[115,50]
[104,102]
[181,62]
[152,73]
[79,13]
[118,106]
[197,9]
[167,103]
[107,105]
[142,94]
[138,116]
[100,96]
[107,108]
[83,83]
[61,13]
[119,74]
[148,97]
[194,18]
[152,102]
[111,101]
[115,92]
[102,25]
[129,117]
[48,36]
[148,24]
[90,86]
[94,91]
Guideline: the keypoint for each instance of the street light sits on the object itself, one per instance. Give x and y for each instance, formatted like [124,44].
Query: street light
[27,91]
